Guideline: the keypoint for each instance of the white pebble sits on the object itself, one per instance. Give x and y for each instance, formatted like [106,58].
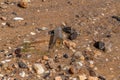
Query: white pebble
[32,33]
[18,18]
[22,74]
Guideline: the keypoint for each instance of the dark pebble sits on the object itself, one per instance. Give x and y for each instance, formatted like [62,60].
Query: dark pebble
[73,36]
[22,65]
[99,45]
[116,17]
[91,72]
[65,55]
[18,52]
[101,78]
[67,29]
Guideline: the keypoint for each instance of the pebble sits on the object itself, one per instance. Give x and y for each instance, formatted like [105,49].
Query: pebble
[78,55]
[116,17]
[22,65]
[65,56]
[92,78]
[3,23]
[82,77]
[33,33]
[5,61]
[44,28]
[71,45]
[22,74]
[101,78]
[72,70]
[18,52]
[23,3]
[45,57]
[79,63]
[50,64]
[58,78]
[74,78]
[3,18]
[38,68]
[99,45]
[18,18]
[3,6]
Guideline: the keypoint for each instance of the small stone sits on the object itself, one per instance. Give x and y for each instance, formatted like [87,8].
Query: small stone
[23,3]
[22,74]
[92,78]
[74,78]
[50,64]
[18,18]
[58,78]
[32,33]
[22,65]
[72,70]
[3,24]
[78,55]
[99,45]
[71,45]
[65,55]
[116,17]
[82,77]
[38,68]
[3,6]
[101,78]
[97,53]
[79,63]
[44,28]
[18,52]
[3,18]
[73,35]
[45,57]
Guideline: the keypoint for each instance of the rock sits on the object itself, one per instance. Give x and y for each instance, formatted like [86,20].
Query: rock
[74,78]
[50,64]
[38,68]
[101,78]
[3,18]
[3,23]
[80,64]
[65,56]
[72,70]
[18,52]
[22,65]
[18,18]
[82,77]
[97,53]
[58,78]
[99,45]
[22,74]
[71,45]
[44,28]
[67,29]
[72,33]
[33,33]
[23,3]
[45,57]
[5,61]
[92,78]
[3,6]
[77,55]
[116,17]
